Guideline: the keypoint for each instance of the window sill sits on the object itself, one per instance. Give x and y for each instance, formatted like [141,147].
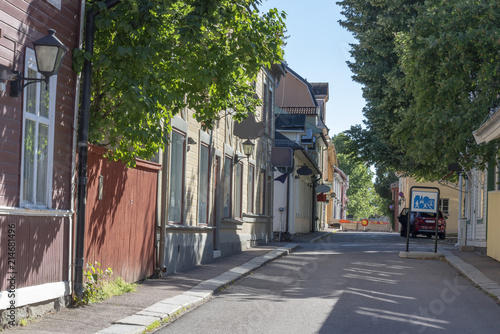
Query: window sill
[252,218]
[35,212]
[229,223]
[179,227]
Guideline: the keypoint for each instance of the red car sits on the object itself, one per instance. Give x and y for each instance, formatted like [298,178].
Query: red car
[423,223]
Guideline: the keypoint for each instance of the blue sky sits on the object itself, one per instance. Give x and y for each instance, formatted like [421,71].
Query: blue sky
[317,49]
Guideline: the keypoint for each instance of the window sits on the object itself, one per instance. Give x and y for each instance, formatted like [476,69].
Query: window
[262,191]
[497,175]
[176,199]
[228,184]
[444,205]
[269,108]
[38,138]
[238,189]
[251,176]
[204,184]
[481,194]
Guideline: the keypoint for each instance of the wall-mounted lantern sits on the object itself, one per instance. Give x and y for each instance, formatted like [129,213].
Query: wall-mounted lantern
[248,147]
[49,53]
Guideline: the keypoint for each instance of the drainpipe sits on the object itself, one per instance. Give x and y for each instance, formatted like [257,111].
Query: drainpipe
[83,136]
[315,181]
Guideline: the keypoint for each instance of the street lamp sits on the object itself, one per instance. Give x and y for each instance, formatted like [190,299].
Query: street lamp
[49,53]
[247,150]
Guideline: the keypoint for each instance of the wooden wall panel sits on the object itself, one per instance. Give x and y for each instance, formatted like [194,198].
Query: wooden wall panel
[41,250]
[120,227]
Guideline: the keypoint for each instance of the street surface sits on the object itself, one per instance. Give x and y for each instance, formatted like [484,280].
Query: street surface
[348,282]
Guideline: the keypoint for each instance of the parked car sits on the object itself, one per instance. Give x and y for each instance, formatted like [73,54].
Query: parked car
[422,223]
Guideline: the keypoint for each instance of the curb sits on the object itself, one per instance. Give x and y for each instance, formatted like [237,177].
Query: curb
[477,277]
[469,271]
[163,310]
[321,236]
[421,255]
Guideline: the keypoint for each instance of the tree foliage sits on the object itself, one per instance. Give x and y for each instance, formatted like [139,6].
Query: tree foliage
[152,58]
[364,202]
[430,74]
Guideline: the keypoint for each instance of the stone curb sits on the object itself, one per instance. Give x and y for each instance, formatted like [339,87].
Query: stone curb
[194,297]
[321,236]
[477,277]
[421,255]
[468,270]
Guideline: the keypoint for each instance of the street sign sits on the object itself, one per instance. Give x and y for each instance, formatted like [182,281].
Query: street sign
[424,201]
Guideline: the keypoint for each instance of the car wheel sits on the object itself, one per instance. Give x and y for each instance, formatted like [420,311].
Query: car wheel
[442,236]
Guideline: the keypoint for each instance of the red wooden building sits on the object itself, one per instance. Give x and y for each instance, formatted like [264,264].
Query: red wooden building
[36,155]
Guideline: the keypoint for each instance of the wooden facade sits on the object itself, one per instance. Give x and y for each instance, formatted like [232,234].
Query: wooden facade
[42,231]
[121,216]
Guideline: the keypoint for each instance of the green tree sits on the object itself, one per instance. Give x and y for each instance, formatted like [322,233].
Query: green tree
[155,57]
[430,73]
[450,58]
[364,202]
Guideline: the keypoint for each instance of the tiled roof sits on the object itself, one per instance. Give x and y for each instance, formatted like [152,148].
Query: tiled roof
[300,110]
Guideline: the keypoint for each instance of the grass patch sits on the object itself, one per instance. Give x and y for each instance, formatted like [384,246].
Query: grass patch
[153,326]
[116,287]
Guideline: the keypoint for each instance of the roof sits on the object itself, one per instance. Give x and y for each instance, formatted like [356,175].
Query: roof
[309,86]
[282,141]
[320,88]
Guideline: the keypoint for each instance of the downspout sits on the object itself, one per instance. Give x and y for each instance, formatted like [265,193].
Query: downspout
[83,136]
[74,152]
[315,181]
[164,211]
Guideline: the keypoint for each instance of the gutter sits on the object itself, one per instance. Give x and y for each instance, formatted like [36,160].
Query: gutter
[83,137]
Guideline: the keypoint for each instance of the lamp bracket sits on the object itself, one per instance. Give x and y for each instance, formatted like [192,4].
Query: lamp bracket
[238,158]
[17,86]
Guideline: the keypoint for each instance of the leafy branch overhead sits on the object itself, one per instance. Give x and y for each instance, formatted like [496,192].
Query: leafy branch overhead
[430,74]
[152,58]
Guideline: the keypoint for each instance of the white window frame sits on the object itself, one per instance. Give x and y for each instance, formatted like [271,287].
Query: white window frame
[203,164]
[238,190]
[182,178]
[441,206]
[30,63]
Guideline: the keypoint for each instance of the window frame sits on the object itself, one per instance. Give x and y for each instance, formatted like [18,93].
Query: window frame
[442,206]
[182,184]
[238,191]
[227,196]
[204,184]
[262,199]
[251,188]
[49,121]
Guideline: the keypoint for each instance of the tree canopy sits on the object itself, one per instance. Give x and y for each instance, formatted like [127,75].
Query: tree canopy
[363,202]
[430,74]
[152,58]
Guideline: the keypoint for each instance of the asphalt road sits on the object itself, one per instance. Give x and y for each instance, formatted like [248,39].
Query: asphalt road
[348,283]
